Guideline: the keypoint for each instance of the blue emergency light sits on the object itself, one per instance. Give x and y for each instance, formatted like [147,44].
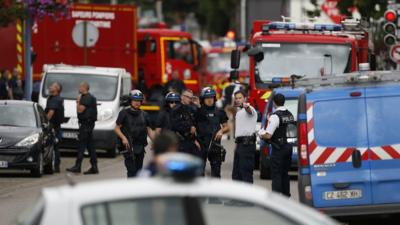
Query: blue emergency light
[301,26]
[181,166]
[280,80]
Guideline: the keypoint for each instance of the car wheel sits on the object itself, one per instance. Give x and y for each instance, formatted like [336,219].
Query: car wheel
[50,165]
[265,169]
[38,170]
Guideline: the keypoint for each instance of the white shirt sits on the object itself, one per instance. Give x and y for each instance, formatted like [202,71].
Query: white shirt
[273,123]
[245,123]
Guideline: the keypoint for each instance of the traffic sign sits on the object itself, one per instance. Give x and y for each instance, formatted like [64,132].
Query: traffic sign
[395,53]
[82,30]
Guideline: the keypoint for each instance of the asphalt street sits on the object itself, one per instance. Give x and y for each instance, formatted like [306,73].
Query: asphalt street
[18,191]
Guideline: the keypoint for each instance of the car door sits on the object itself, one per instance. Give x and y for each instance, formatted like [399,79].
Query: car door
[338,143]
[46,131]
[383,104]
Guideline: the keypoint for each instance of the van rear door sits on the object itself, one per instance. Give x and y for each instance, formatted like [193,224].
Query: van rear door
[338,144]
[383,105]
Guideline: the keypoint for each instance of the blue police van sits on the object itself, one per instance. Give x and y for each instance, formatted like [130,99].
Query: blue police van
[291,103]
[349,143]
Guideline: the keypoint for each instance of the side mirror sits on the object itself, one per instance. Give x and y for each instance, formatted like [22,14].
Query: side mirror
[257,53]
[235,59]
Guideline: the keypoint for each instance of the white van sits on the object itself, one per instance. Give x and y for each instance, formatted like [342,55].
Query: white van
[108,85]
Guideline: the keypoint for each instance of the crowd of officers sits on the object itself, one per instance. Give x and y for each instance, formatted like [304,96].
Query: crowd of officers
[187,125]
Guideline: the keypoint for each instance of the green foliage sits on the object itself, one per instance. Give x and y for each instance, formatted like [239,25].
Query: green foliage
[10,12]
[367,8]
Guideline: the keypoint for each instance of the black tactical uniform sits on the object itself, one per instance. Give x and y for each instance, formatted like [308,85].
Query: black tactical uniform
[134,126]
[281,154]
[56,103]
[87,121]
[209,121]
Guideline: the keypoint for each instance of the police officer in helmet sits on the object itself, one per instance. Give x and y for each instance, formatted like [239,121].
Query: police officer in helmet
[133,127]
[178,119]
[212,123]
[281,156]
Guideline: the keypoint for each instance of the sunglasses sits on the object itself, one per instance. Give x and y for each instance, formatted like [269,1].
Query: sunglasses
[175,102]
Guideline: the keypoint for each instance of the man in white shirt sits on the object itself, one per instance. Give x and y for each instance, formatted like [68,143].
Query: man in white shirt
[281,155]
[246,121]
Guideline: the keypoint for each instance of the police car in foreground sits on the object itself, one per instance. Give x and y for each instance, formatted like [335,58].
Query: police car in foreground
[349,143]
[178,198]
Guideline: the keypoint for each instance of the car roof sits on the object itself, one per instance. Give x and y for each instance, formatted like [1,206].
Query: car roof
[16,102]
[122,189]
[101,71]
[289,92]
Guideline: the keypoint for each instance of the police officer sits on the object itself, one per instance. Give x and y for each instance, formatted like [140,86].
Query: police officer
[212,123]
[178,119]
[133,126]
[86,106]
[246,121]
[281,155]
[55,114]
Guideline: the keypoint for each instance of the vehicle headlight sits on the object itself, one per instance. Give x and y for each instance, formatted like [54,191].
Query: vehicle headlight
[30,140]
[105,114]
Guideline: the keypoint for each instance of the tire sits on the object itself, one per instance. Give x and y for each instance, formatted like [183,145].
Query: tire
[49,167]
[265,170]
[38,171]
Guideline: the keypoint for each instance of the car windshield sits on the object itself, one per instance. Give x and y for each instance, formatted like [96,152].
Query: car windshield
[221,62]
[312,60]
[17,115]
[104,88]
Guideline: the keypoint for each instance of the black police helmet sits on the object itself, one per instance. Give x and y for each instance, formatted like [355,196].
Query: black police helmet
[172,97]
[136,95]
[208,92]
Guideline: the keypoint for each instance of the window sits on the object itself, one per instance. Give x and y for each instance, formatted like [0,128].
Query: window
[219,211]
[335,122]
[11,115]
[181,50]
[152,211]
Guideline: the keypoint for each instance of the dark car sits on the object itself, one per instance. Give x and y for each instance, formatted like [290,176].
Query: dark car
[291,103]
[25,138]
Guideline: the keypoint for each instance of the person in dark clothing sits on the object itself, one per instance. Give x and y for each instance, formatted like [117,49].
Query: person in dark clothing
[86,106]
[55,114]
[212,123]
[166,142]
[281,155]
[178,119]
[3,86]
[175,85]
[133,127]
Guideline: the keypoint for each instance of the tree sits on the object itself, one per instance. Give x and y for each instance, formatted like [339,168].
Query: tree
[367,8]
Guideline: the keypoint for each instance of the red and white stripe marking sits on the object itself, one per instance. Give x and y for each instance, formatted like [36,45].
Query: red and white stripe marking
[326,155]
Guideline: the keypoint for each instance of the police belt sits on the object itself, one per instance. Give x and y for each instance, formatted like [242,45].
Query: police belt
[246,140]
[280,141]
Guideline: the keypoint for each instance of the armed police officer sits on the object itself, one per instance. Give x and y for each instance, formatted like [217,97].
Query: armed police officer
[178,119]
[275,133]
[212,123]
[86,106]
[245,129]
[133,127]
[55,114]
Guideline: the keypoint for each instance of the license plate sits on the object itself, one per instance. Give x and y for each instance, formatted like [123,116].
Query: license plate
[70,135]
[345,194]
[3,164]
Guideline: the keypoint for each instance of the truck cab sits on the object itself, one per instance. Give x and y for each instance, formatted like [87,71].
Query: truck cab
[282,49]
[162,52]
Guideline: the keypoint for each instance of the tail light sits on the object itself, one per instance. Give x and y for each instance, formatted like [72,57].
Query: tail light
[308,193]
[303,145]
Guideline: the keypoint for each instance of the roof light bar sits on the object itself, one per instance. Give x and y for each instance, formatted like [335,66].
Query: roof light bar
[301,26]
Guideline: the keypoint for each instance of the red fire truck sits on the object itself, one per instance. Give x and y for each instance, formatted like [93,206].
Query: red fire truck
[282,49]
[112,40]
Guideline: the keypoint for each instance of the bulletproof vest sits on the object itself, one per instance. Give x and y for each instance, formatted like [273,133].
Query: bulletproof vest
[137,127]
[208,122]
[285,118]
[181,120]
